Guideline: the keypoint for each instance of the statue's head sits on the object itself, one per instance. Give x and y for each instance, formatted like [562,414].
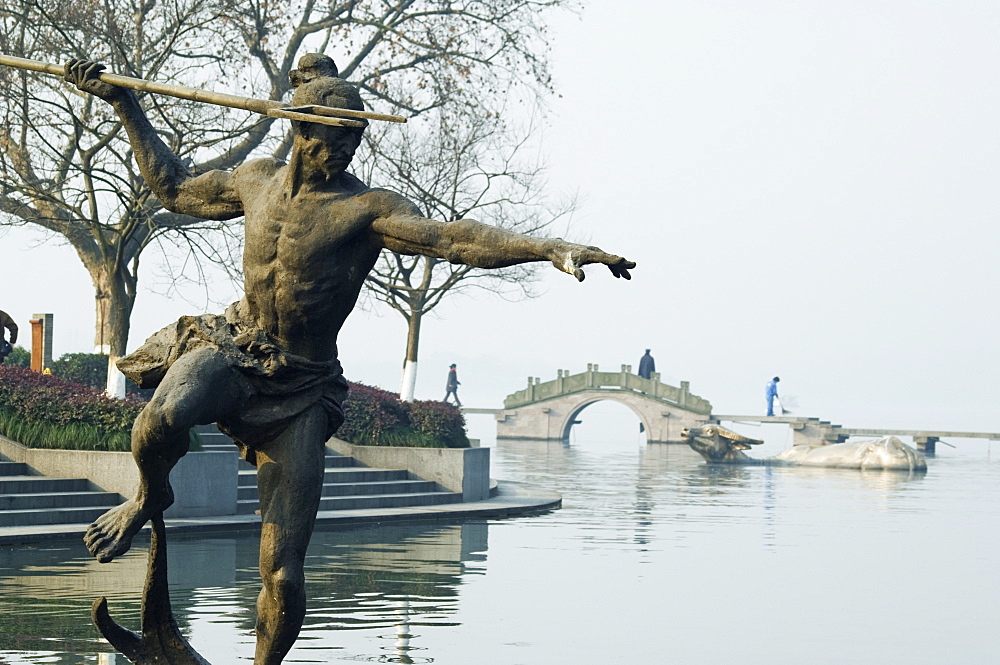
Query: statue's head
[316,82]
[717,444]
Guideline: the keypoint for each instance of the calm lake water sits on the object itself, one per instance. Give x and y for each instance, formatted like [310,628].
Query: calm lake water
[654,558]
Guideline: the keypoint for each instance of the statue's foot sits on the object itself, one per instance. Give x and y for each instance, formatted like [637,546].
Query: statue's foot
[111,534]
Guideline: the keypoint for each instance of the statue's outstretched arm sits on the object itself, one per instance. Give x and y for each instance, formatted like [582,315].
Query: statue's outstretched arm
[483,246]
[209,195]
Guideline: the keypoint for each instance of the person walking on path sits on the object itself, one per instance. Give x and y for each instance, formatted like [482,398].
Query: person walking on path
[7,347]
[452,387]
[646,365]
[771,393]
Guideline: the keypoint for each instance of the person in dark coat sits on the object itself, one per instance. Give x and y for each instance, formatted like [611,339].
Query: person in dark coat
[452,387]
[646,365]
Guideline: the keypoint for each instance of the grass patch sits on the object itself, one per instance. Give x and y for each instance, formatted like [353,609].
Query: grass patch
[70,436]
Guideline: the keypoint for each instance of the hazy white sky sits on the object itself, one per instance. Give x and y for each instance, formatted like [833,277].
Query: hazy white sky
[808,188]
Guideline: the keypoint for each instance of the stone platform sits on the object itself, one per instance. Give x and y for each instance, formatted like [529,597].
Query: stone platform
[510,499]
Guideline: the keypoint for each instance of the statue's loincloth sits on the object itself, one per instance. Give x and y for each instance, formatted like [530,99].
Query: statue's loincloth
[279,386]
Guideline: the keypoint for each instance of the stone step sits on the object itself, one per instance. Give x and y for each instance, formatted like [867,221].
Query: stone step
[333,461]
[249,492]
[216,441]
[47,500]
[50,516]
[371,501]
[13,469]
[248,477]
[42,484]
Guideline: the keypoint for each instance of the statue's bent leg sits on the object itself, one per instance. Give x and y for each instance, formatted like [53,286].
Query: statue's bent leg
[290,481]
[199,388]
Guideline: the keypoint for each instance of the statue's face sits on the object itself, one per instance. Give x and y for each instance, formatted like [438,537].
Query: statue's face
[704,441]
[328,149]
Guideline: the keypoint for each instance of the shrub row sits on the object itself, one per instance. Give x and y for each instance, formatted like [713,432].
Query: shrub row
[19,357]
[375,417]
[46,411]
[49,411]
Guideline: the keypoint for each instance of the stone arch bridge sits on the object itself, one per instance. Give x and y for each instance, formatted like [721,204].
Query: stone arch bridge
[547,411]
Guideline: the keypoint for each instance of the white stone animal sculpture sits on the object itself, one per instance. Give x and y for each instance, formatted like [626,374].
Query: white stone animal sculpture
[721,446]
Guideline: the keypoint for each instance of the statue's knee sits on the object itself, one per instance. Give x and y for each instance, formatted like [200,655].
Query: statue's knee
[151,423]
[286,585]
[157,432]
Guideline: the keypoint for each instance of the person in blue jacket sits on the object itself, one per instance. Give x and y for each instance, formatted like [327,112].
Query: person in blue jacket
[771,392]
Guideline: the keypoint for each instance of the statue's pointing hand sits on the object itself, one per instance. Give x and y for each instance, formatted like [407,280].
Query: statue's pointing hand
[572,258]
[83,74]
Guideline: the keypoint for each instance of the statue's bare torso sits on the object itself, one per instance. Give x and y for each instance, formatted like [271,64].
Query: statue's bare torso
[307,255]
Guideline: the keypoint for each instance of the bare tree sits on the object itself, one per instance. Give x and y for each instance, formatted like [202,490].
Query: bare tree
[456,167]
[66,167]
[64,163]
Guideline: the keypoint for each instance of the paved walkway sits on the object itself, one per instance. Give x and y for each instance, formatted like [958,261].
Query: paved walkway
[511,499]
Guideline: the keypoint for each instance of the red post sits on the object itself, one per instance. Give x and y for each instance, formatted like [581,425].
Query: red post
[37,341]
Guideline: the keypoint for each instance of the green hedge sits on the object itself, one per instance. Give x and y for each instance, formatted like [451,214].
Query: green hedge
[46,411]
[49,411]
[19,357]
[375,417]
[91,369]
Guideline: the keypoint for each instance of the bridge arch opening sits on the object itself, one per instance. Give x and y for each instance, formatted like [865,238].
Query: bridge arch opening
[604,420]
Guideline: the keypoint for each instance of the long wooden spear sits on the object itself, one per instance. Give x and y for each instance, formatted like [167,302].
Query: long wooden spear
[326,115]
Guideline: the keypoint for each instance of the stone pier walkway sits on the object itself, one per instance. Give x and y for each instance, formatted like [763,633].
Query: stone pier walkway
[511,499]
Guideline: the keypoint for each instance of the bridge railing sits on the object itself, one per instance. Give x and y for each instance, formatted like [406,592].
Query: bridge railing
[594,379]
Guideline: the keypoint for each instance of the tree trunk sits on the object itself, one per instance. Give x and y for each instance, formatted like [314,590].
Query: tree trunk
[114,301]
[409,382]
[102,326]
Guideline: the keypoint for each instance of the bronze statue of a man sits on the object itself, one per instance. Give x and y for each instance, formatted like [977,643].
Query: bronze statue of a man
[267,370]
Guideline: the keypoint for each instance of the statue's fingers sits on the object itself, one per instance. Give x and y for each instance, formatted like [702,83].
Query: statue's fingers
[69,70]
[93,70]
[621,267]
[579,274]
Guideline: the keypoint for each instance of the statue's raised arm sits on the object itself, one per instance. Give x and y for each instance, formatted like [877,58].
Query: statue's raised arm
[210,196]
[480,245]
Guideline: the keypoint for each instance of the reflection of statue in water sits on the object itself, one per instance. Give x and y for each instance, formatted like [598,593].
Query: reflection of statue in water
[267,370]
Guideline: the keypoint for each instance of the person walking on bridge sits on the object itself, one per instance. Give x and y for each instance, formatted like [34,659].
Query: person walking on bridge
[771,393]
[646,365]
